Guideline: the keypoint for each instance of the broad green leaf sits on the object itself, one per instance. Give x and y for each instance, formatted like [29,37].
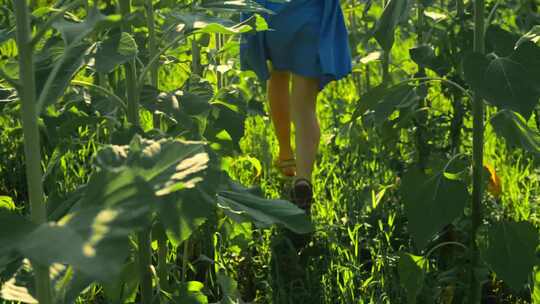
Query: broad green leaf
[183,212]
[432,201]
[411,270]
[386,25]
[20,287]
[196,96]
[191,293]
[6,203]
[536,290]
[435,16]
[66,284]
[73,32]
[167,165]
[515,131]
[94,237]
[61,75]
[533,36]
[511,252]
[235,6]
[124,288]
[116,50]
[244,206]
[6,34]
[371,57]
[500,41]
[13,229]
[195,22]
[425,56]
[507,82]
[508,86]
[71,248]
[229,287]
[253,24]
[175,170]
[474,71]
[384,101]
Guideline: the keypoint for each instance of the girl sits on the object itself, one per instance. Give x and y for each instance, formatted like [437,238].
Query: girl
[306,44]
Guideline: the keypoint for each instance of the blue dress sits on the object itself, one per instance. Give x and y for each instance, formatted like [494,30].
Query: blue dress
[306,37]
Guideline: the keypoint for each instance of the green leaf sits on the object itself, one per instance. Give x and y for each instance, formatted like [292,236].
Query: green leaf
[425,56]
[533,36]
[241,205]
[73,32]
[386,25]
[507,82]
[236,6]
[411,274]
[435,16]
[191,293]
[474,70]
[124,288]
[432,201]
[66,283]
[508,86]
[175,170]
[71,62]
[6,34]
[200,23]
[93,238]
[182,213]
[119,48]
[384,101]
[167,165]
[229,288]
[13,229]
[197,93]
[536,291]
[20,287]
[6,203]
[511,252]
[502,42]
[515,131]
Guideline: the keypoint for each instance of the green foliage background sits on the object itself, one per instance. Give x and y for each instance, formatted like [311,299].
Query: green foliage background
[175,152]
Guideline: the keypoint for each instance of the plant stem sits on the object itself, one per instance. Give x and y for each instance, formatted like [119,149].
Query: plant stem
[196,67]
[185,259]
[144,237]
[145,262]
[163,252]
[478,155]
[153,50]
[32,149]
[131,85]
[422,117]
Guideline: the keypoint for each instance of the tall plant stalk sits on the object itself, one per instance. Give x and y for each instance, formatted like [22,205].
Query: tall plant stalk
[32,151]
[478,155]
[152,51]
[422,117]
[385,59]
[144,238]
[163,249]
[129,68]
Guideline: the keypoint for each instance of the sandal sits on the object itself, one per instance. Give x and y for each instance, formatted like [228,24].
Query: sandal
[302,194]
[287,167]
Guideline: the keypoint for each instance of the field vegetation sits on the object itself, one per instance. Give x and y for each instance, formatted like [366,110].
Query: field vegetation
[136,158]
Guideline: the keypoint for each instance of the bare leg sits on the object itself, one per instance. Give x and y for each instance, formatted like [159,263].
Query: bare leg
[308,133]
[279,96]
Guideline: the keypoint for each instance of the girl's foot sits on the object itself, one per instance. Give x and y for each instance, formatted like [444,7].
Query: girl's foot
[302,194]
[287,167]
